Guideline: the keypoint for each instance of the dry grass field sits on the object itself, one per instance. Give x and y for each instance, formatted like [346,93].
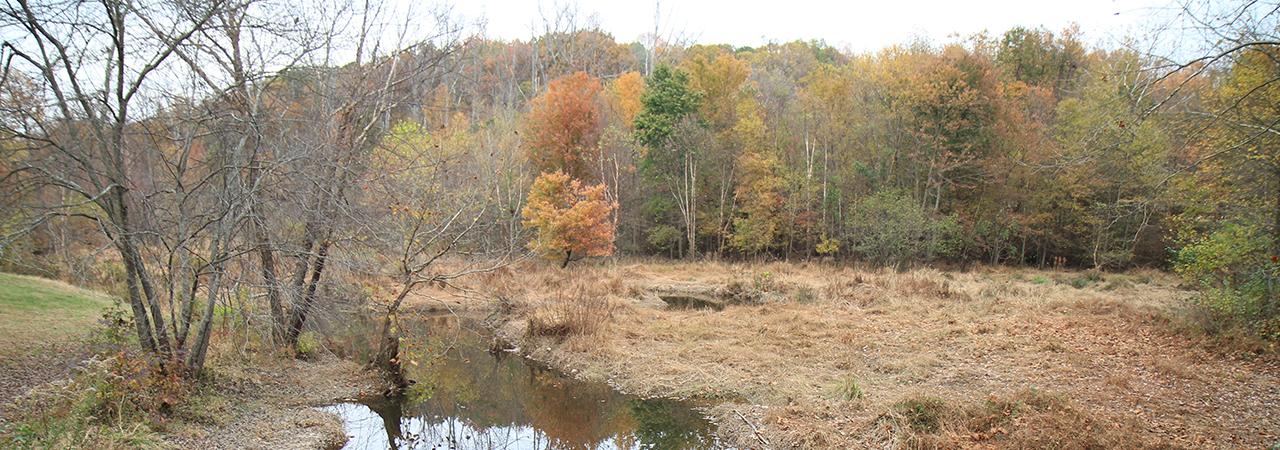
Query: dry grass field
[816,356]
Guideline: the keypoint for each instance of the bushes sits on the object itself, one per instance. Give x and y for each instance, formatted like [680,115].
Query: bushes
[892,228]
[113,402]
[1238,278]
[307,345]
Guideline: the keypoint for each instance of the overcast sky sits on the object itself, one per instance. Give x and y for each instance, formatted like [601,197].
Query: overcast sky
[856,25]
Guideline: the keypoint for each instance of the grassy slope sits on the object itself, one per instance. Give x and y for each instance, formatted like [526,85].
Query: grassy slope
[37,311]
[256,401]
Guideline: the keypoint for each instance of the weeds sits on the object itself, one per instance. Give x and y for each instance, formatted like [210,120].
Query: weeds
[849,390]
[921,414]
[805,295]
[114,402]
[577,314]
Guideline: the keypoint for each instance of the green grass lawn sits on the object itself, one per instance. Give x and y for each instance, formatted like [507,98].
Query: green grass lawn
[36,311]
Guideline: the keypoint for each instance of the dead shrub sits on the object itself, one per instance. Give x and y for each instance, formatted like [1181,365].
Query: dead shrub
[928,287]
[921,422]
[1175,367]
[856,290]
[500,282]
[615,285]
[575,314]
[1003,289]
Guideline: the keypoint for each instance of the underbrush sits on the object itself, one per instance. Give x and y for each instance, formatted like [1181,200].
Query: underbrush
[123,398]
[1239,281]
[115,400]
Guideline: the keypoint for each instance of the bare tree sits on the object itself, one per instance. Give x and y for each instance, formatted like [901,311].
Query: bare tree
[94,67]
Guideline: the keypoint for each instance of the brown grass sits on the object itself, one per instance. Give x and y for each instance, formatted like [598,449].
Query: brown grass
[571,315]
[1015,358]
[573,307]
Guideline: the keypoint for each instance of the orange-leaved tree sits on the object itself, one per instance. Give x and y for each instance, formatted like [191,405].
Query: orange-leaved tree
[572,220]
[562,130]
[623,97]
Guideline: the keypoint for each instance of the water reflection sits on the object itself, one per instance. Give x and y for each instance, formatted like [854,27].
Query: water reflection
[480,400]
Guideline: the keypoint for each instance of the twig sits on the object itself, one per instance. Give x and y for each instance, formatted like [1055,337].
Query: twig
[753,428]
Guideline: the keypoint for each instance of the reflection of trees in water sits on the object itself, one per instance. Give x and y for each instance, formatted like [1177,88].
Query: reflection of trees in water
[482,401]
[662,424]
[572,414]
[390,411]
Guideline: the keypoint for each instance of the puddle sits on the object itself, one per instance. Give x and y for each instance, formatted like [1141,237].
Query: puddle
[473,399]
[690,302]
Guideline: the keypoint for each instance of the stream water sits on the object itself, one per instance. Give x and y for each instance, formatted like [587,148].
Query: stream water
[469,398]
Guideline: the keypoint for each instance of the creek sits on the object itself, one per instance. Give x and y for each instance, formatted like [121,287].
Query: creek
[470,398]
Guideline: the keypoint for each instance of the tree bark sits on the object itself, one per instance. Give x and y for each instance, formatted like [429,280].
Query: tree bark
[195,362]
[388,358]
[301,310]
[267,264]
[1275,227]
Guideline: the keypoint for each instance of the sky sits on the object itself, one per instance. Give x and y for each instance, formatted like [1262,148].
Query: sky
[852,25]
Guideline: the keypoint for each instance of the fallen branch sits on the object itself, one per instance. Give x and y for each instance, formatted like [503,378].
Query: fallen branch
[755,430]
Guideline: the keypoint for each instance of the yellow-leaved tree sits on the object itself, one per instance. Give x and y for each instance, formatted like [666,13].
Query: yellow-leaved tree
[571,220]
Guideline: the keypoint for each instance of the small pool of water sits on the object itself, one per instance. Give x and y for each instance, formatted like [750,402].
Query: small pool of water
[469,398]
[675,301]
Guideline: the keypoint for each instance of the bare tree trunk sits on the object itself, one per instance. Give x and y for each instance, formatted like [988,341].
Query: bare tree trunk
[133,263]
[195,362]
[388,358]
[140,321]
[267,265]
[302,309]
[1275,227]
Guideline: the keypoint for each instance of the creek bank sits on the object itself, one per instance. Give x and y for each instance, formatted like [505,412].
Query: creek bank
[273,406]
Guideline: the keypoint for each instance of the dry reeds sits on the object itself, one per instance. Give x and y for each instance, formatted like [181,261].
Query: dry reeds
[577,313]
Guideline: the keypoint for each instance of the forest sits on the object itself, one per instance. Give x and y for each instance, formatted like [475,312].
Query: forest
[268,165]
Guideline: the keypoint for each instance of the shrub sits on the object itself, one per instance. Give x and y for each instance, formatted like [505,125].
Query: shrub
[890,227]
[828,246]
[1238,278]
[806,295]
[307,345]
[765,282]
